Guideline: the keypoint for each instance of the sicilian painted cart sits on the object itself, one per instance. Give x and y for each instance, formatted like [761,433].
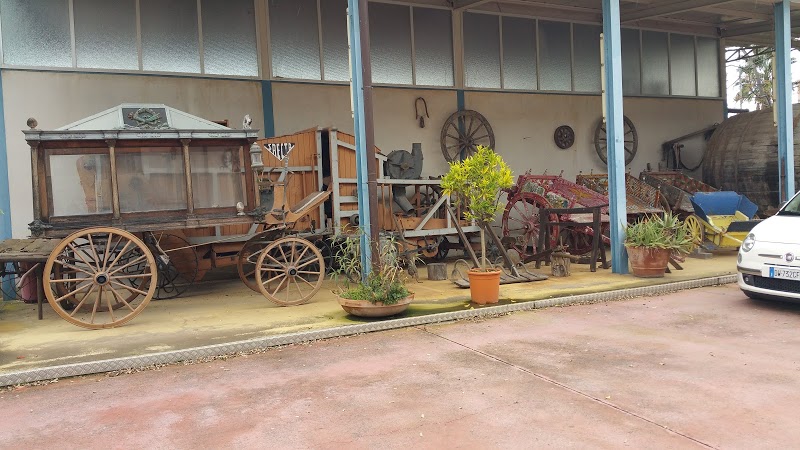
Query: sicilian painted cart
[721,220]
[139,201]
[677,188]
[641,197]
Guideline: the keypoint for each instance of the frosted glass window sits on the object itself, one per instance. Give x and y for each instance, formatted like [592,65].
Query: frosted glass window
[433,41]
[481,50]
[36,33]
[555,65]
[229,37]
[294,34]
[519,53]
[682,64]
[707,67]
[80,184]
[169,35]
[390,35]
[655,63]
[151,179]
[217,177]
[105,34]
[587,57]
[631,63]
[334,40]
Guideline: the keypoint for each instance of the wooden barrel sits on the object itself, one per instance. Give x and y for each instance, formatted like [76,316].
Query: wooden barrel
[742,156]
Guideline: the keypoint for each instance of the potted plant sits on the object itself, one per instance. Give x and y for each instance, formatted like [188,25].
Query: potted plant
[384,292]
[651,240]
[476,183]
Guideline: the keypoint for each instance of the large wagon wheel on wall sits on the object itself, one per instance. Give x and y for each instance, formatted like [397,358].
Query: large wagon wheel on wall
[176,261]
[463,132]
[631,141]
[290,271]
[110,266]
[521,223]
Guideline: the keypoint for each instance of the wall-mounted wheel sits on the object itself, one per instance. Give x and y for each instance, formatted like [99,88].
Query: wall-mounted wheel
[290,271]
[177,263]
[463,132]
[631,138]
[521,223]
[108,267]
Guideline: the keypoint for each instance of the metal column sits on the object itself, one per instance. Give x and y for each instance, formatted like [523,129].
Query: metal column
[783,104]
[5,196]
[615,132]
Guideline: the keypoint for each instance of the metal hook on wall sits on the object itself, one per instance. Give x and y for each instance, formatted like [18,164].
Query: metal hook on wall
[421,117]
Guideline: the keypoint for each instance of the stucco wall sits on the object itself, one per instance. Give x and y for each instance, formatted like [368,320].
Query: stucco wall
[57,99]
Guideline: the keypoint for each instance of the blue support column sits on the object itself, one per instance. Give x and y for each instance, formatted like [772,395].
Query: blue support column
[357,91]
[269,113]
[783,85]
[5,196]
[615,133]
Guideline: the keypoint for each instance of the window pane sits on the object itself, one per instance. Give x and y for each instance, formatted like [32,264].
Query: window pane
[294,34]
[151,179]
[655,63]
[481,50]
[334,40]
[169,35]
[36,33]
[682,62]
[80,184]
[631,63]
[555,71]
[587,57]
[390,35]
[433,39]
[105,34]
[519,53]
[217,177]
[229,37]
[708,67]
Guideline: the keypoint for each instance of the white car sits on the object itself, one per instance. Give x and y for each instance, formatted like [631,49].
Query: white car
[769,258]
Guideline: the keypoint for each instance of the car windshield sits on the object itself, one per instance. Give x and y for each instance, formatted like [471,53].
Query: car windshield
[792,208]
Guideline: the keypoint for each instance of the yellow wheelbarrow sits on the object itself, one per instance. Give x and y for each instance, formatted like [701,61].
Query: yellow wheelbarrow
[721,220]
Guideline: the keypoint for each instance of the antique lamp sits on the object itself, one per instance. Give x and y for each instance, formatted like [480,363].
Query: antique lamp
[256,159]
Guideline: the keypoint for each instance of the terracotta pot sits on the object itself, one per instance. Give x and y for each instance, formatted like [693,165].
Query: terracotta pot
[484,287]
[648,262]
[363,308]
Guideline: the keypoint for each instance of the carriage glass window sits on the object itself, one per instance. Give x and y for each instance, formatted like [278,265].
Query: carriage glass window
[79,184]
[151,179]
[217,177]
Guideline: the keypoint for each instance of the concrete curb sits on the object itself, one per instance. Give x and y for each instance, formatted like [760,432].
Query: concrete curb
[209,351]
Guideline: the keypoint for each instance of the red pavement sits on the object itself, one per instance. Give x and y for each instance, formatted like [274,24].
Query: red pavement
[701,368]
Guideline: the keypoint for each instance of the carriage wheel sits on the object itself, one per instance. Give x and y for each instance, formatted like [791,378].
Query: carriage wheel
[177,263]
[110,266]
[696,231]
[521,223]
[463,132]
[292,265]
[248,255]
[577,241]
[631,141]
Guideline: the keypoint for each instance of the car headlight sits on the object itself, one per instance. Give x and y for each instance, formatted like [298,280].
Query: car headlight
[749,242]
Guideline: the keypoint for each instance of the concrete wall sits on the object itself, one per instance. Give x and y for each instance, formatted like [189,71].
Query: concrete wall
[57,99]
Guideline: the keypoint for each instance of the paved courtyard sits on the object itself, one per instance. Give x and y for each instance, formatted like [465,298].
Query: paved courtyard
[699,368]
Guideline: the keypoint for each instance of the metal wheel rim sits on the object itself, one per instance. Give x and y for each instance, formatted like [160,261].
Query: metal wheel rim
[102,275]
[463,132]
[287,274]
[631,141]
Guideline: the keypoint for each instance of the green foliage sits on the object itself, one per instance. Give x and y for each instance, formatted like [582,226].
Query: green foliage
[667,232]
[477,181]
[386,283]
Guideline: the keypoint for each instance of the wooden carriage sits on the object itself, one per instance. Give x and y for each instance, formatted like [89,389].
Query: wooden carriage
[144,199]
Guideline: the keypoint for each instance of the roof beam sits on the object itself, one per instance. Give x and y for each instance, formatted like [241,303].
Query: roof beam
[460,5]
[744,30]
[664,9]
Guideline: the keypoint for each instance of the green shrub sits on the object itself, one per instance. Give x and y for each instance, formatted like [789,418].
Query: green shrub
[667,232]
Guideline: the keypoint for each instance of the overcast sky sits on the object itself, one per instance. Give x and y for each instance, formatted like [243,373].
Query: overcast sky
[733,75]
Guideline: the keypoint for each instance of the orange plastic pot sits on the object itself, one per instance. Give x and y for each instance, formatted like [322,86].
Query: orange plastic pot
[484,287]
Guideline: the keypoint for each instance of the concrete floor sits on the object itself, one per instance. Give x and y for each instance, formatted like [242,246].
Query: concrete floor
[704,368]
[226,311]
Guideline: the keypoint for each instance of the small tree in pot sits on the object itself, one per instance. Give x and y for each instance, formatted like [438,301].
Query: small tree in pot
[651,240]
[476,183]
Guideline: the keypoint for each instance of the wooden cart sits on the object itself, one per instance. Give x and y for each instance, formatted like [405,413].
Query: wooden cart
[145,199]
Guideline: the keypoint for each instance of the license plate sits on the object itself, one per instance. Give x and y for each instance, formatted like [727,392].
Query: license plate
[782,272]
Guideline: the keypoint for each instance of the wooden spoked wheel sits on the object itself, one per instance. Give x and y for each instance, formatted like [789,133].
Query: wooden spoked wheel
[696,230]
[290,271]
[248,256]
[521,223]
[176,261]
[577,240]
[631,141]
[108,267]
[463,132]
